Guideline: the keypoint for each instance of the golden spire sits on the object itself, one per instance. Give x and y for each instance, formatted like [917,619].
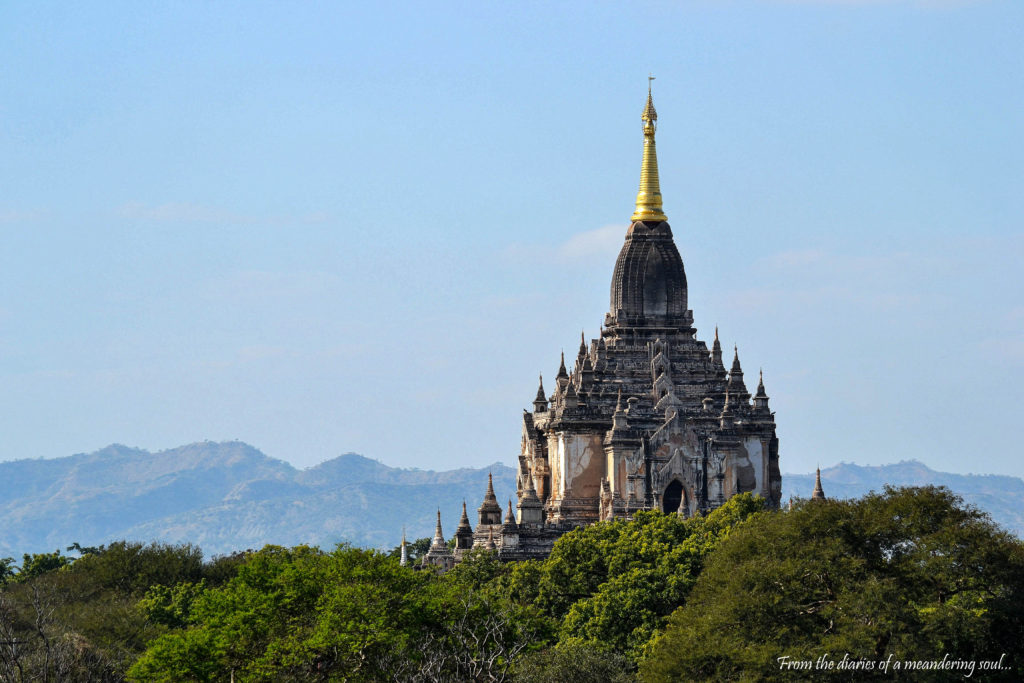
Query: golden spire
[648,199]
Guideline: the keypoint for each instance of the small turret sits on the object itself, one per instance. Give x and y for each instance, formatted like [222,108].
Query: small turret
[583,344]
[509,530]
[586,374]
[736,388]
[561,380]
[438,536]
[716,353]
[510,518]
[531,510]
[490,511]
[464,532]
[728,414]
[439,555]
[819,493]
[571,397]
[619,420]
[761,398]
[540,403]
[489,545]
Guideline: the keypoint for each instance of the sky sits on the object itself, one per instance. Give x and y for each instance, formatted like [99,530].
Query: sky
[366,227]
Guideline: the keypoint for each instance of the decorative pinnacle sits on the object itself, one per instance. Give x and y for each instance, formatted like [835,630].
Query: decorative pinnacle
[819,493]
[648,198]
[438,536]
[649,112]
[561,367]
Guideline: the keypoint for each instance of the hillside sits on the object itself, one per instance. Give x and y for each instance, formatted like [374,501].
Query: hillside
[1000,496]
[225,497]
[230,496]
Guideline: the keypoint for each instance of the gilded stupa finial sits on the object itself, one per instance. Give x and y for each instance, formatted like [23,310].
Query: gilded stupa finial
[650,114]
[648,199]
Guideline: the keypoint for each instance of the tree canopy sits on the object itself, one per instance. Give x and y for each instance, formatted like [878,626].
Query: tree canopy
[904,576]
[907,575]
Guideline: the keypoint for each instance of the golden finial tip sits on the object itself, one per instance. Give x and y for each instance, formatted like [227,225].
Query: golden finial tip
[648,198]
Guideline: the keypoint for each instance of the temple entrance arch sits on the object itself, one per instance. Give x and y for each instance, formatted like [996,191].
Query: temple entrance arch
[673,496]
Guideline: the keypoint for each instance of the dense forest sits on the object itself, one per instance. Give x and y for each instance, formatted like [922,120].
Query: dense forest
[909,579]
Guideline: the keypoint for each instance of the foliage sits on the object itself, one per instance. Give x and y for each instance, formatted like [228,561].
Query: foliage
[78,619]
[7,570]
[574,661]
[414,550]
[131,567]
[291,614]
[613,584]
[910,573]
[37,564]
[171,605]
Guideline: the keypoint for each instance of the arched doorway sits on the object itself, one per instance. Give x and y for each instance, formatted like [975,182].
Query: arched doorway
[673,497]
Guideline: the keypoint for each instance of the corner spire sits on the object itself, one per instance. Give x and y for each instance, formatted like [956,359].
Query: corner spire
[736,360]
[464,521]
[716,352]
[510,517]
[648,198]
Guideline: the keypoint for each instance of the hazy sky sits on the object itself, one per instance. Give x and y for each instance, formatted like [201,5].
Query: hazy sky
[322,228]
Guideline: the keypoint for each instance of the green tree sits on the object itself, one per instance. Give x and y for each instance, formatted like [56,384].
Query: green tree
[415,550]
[37,564]
[7,570]
[911,573]
[171,605]
[574,661]
[79,619]
[613,584]
[289,614]
[131,567]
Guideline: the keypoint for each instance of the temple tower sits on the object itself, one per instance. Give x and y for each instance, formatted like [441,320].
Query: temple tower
[649,417]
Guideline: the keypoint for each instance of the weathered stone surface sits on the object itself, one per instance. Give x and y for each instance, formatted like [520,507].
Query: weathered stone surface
[647,418]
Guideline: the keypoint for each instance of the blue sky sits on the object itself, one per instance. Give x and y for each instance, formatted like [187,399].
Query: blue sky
[328,227]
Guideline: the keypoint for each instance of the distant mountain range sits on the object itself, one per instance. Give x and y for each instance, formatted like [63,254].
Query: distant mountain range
[227,496]
[1000,496]
[230,496]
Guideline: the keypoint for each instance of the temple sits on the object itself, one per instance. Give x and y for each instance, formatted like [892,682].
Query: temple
[648,418]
